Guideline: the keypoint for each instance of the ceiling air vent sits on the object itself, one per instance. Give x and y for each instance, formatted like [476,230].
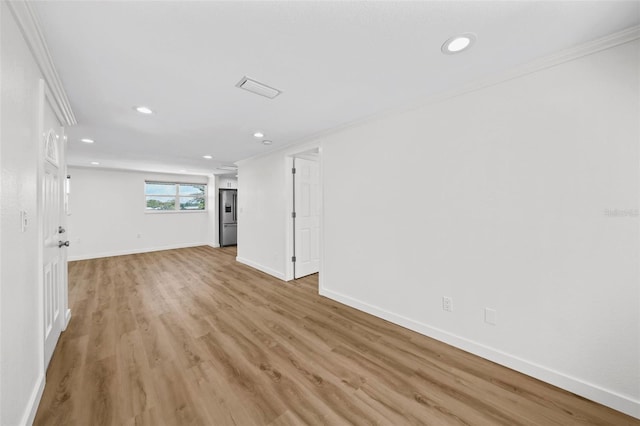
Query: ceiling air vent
[258,88]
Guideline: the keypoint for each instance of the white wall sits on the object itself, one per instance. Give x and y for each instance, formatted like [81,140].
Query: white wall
[108,215]
[21,362]
[262,201]
[502,205]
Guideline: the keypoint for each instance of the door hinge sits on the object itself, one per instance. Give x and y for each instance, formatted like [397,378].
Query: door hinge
[293,258]
[293,171]
[293,215]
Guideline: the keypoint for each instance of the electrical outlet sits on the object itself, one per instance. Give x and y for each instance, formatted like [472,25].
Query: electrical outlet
[447,304]
[490,316]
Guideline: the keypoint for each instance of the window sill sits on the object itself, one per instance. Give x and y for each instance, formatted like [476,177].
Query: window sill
[175,211]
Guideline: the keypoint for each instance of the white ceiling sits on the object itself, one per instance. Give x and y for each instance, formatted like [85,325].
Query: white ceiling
[335,62]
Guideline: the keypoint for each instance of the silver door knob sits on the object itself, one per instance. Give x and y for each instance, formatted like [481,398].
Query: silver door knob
[61,230]
[63,244]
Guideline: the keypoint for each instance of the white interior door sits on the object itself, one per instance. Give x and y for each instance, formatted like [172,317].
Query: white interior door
[307,217]
[54,262]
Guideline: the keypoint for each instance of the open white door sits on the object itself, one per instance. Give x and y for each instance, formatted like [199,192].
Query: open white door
[307,217]
[54,259]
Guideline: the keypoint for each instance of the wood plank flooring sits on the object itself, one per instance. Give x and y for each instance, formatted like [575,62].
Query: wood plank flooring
[191,337]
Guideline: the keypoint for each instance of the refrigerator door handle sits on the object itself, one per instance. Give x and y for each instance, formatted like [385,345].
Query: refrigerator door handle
[235,207]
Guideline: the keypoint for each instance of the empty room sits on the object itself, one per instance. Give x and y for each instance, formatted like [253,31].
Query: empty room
[319,213]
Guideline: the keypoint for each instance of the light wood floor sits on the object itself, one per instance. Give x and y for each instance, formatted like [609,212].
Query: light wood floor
[189,336]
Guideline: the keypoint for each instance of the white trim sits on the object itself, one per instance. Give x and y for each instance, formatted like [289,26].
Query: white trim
[288,227]
[174,211]
[29,25]
[552,60]
[322,227]
[279,275]
[67,318]
[214,245]
[123,169]
[289,234]
[567,55]
[590,391]
[43,96]
[64,172]
[34,401]
[134,251]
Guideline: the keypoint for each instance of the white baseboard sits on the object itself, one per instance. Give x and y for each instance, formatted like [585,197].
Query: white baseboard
[67,318]
[34,401]
[133,251]
[214,245]
[587,390]
[266,270]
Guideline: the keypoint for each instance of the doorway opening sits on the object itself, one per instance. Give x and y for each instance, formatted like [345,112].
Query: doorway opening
[226,210]
[305,214]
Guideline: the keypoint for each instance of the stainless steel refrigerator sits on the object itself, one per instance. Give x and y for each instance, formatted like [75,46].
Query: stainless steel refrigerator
[228,217]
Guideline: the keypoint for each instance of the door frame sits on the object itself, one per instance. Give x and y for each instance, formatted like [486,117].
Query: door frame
[45,97]
[313,153]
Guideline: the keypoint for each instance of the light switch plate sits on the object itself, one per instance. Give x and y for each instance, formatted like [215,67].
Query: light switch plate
[490,316]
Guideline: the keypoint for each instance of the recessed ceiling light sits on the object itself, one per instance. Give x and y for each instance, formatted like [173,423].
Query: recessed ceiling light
[208,157]
[458,43]
[258,135]
[143,110]
[95,163]
[87,140]
[266,142]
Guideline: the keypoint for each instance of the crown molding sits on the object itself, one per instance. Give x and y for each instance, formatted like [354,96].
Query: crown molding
[28,23]
[612,40]
[560,57]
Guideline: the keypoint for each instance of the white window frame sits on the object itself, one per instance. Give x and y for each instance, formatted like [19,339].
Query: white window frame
[176,196]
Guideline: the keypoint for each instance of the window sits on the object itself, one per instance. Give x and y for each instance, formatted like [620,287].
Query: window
[172,196]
